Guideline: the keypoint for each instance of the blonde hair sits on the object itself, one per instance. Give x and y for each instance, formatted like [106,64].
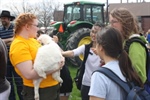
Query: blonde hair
[127,20]
[22,20]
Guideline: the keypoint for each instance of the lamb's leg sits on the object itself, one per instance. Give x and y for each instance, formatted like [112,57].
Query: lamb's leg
[36,88]
[40,72]
[56,76]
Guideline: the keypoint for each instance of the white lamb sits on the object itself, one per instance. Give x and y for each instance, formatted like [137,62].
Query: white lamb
[47,59]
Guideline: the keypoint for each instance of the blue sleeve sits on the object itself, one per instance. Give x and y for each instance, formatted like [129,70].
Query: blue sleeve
[148,38]
[98,85]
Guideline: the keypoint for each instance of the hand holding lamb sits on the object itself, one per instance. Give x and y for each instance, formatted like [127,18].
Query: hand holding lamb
[48,59]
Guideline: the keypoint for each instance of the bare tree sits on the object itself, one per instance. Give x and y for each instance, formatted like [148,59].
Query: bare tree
[22,7]
[46,12]
[43,9]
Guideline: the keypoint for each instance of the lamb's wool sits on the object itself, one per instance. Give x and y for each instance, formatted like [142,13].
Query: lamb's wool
[47,59]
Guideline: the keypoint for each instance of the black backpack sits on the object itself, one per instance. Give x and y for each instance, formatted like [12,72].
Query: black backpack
[133,92]
[127,46]
[80,70]
[67,84]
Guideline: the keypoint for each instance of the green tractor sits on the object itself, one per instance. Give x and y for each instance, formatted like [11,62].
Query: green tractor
[78,19]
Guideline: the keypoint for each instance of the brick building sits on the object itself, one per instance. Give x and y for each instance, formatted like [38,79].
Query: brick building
[58,15]
[140,10]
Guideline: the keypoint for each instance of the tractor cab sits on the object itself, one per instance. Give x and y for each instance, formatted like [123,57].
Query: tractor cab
[75,28]
[83,11]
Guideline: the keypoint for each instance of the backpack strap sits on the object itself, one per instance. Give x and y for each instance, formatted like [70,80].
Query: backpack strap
[130,41]
[111,75]
[86,53]
[137,39]
[133,93]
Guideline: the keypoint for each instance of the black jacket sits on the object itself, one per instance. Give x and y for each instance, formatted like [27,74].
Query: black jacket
[4,84]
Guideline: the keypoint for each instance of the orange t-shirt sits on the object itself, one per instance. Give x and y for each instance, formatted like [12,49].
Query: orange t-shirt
[23,50]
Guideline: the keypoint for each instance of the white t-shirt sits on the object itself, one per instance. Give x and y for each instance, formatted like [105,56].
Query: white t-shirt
[103,87]
[92,63]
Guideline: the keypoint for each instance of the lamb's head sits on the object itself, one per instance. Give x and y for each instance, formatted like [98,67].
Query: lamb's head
[44,39]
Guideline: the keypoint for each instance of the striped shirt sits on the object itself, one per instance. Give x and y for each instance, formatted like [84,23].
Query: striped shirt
[6,33]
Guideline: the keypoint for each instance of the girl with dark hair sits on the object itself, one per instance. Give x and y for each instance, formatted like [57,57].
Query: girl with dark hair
[91,64]
[109,47]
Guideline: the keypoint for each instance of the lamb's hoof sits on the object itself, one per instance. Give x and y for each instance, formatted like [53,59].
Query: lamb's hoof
[36,98]
[61,81]
[60,84]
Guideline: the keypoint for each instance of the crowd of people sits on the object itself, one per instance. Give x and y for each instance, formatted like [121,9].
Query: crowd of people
[6,34]
[18,48]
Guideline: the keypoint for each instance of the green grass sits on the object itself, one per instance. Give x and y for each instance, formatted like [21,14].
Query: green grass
[75,95]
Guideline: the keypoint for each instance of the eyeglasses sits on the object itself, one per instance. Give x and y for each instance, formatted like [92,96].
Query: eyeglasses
[113,21]
[99,24]
[35,25]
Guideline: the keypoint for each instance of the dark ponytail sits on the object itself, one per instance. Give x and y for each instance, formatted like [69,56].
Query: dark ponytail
[112,42]
[128,70]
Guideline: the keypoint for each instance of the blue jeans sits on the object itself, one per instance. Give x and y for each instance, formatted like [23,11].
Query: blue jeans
[84,92]
[17,80]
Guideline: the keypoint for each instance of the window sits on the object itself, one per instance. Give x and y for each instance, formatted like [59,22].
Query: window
[76,13]
[87,15]
[67,17]
[97,13]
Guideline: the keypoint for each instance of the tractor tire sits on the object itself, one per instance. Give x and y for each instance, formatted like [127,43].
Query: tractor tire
[76,39]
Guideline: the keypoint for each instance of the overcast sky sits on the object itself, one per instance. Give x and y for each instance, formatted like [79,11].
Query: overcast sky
[104,1]
[65,1]
[4,2]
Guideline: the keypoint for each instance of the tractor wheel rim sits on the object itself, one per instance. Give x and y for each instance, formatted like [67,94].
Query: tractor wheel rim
[85,40]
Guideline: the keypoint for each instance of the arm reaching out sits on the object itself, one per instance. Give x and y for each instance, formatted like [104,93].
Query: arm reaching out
[68,53]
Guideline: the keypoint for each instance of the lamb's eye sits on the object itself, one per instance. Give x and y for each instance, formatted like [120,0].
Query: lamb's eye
[42,43]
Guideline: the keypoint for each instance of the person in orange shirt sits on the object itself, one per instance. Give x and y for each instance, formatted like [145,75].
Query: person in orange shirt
[22,54]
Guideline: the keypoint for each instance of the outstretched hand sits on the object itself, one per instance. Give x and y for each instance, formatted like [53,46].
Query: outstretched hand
[94,50]
[55,39]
